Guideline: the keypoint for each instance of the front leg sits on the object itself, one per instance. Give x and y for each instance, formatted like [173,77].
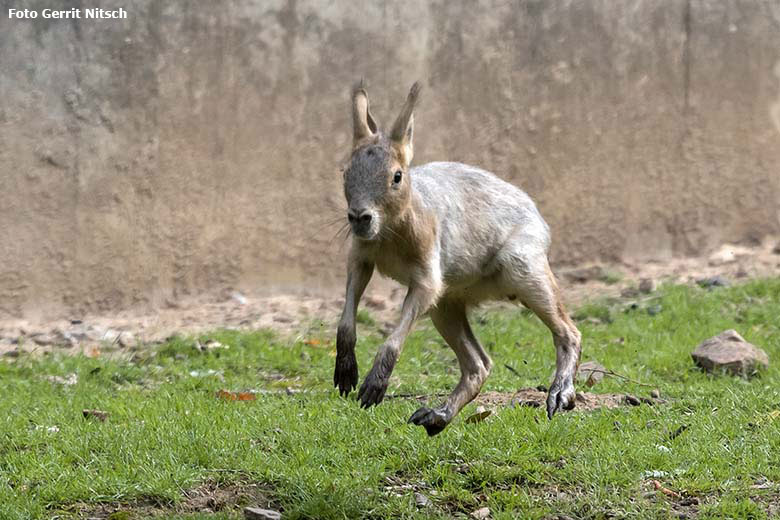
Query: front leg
[418,299]
[345,375]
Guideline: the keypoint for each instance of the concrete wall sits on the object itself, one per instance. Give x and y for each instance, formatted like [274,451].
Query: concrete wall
[195,146]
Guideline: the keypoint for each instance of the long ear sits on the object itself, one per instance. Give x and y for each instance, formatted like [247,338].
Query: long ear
[363,124]
[403,128]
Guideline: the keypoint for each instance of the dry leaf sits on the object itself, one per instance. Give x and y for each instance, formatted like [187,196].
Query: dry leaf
[236,396]
[666,491]
[479,415]
[246,396]
[313,342]
[771,416]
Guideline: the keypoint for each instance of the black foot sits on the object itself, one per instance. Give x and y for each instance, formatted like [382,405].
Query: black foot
[345,376]
[560,397]
[373,389]
[434,421]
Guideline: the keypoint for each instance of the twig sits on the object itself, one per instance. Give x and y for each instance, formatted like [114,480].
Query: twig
[413,396]
[515,372]
[615,374]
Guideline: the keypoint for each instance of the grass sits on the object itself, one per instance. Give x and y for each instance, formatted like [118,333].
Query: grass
[314,455]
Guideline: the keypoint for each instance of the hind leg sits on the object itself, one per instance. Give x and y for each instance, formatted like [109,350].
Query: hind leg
[530,277]
[449,318]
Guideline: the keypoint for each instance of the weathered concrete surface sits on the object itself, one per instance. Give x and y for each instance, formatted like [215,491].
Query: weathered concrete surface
[195,147]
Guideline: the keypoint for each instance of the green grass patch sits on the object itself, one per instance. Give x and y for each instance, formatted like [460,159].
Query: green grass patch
[314,455]
[364,317]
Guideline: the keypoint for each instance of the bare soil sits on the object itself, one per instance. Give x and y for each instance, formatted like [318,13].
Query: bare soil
[536,398]
[297,316]
[206,498]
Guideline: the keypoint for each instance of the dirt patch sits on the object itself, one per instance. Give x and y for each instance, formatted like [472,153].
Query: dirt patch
[297,317]
[585,401]
[206,498]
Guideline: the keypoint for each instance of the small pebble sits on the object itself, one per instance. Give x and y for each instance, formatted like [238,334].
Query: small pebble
[713,281]
[255,513]
[646,285]
[421,500]
[633,401]
[481,514]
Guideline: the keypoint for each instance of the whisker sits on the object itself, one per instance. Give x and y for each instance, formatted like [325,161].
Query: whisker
[329,223]
[343,230]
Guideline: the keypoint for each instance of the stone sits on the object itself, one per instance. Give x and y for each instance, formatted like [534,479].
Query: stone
[728,253]
[421,500]
[647,285]
[728,351]
[376,302]
[629,292]
[633,401]
[44,339]
[591,372]
[713,281]
[256,513]
[481,514]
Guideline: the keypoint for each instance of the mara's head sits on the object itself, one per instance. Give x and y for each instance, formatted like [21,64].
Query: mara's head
[376,181]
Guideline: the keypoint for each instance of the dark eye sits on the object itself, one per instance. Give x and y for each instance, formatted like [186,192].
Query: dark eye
[397,177]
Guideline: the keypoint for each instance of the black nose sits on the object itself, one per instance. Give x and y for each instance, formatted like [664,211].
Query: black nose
[361,216]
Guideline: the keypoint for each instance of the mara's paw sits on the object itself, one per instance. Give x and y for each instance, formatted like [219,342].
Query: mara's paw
[560,397]
[345,375]
[373,389]
[433,420]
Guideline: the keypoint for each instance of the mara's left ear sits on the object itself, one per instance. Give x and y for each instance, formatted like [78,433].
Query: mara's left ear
[363,124]
[403,128]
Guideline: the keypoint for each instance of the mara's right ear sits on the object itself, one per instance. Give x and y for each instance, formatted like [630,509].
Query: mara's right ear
[401,136]
[363,125]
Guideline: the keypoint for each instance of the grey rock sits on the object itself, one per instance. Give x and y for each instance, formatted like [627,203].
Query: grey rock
[481,513]
[633,401]
[629,292]
[713,281]
[591,372]
[376,302]
[646,285]
[421,500]
[44,339]
[728,351]
[256,513]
